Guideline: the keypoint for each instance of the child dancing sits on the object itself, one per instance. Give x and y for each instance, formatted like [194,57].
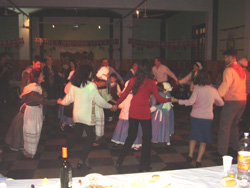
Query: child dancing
[162,116]
[121,130]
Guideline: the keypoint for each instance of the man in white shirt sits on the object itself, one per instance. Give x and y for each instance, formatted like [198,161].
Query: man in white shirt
[161,72]
[105,63]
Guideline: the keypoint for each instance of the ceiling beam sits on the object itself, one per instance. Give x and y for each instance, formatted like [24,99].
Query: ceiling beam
[18,8]
[134,9]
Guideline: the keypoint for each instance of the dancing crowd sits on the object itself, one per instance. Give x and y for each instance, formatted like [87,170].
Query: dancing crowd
[142,99]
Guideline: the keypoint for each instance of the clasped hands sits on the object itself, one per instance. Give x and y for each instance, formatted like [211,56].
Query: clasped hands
[174,99]
[113,108]
[59,101]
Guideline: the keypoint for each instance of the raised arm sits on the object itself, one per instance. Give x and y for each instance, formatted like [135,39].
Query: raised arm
[170,73]
[186,79]
[112,70]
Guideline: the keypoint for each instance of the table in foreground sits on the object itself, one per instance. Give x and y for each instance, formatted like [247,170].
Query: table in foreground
[209,177]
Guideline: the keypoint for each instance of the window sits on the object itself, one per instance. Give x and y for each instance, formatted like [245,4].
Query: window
[198,37]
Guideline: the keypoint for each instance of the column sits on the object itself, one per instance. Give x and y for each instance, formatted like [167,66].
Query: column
[209,33]
[24,51]
[247,31]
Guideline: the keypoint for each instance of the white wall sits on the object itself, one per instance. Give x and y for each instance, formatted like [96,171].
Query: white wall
[24,51]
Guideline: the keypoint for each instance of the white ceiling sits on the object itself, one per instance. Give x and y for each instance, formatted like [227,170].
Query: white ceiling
[174,5]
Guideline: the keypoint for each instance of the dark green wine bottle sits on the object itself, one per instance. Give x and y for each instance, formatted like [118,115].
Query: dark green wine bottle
[65,170]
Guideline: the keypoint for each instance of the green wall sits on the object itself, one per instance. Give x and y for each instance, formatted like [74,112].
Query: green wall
[179,28]
[231,15]
[149,30]
[85,32]
[9,30]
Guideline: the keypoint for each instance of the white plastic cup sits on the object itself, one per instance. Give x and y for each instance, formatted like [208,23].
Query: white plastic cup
[227,162]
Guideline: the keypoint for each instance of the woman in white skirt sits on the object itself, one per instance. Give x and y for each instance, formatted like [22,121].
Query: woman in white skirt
[33,114]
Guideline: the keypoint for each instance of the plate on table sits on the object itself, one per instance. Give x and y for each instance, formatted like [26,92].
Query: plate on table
[150,181]
[93,178]
[99,181]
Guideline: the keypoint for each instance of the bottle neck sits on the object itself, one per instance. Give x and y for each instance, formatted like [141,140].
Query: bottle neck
[64,153]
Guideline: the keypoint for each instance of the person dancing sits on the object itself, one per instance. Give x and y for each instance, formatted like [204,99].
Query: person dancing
[201,117]
[121,130]
[85,96]
[142,85]
[162,116]
[33,114]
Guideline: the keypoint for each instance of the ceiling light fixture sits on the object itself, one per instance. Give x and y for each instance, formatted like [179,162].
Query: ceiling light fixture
[137,13]
[25,26]
[75,26]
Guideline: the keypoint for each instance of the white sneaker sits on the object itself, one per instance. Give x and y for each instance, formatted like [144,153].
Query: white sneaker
[110,119]
[72,125]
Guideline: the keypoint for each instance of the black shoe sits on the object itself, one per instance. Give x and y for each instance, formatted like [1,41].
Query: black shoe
[119,162]
[189,159]
[197,164]
[82,166]
[148,169]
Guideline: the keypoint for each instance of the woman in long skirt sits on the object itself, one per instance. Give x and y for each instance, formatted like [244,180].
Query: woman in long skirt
[162,116]
[33,114]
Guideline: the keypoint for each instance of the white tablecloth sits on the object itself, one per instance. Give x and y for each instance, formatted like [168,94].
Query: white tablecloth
[209,177]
